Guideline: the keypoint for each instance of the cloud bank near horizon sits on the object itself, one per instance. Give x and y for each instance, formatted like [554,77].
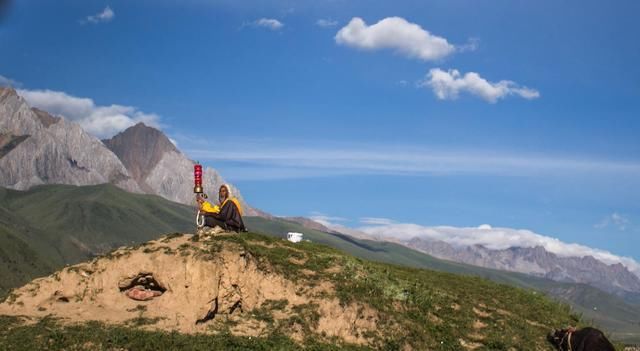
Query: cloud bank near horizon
[485,235]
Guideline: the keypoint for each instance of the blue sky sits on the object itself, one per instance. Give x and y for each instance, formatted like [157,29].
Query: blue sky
[309,122]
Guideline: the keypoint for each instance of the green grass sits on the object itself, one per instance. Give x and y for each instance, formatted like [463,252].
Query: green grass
[425,309]
[407,297]
[620,319]
[47,227]
[48,334]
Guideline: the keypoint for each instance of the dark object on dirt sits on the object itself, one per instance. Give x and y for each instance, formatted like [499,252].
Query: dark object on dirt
[211,313]
[587,339]
[59,297]
[141,287]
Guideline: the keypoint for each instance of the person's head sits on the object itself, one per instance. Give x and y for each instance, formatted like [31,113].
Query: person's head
[224,192]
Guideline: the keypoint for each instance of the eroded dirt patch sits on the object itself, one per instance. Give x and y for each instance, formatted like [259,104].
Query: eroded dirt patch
[193,286]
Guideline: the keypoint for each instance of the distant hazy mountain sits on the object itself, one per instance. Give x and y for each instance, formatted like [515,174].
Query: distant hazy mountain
[37,148]
[537,261]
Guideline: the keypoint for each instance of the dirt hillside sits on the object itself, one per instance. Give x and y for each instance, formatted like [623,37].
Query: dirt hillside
[182,285]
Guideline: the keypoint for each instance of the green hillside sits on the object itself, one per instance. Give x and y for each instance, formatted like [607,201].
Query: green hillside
[376,305]
[619,318]
[47,227]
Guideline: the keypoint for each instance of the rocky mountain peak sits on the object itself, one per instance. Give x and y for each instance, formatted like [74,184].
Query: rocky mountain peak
[45,118]
[37,148]
[6,93]
[140,148]
[16,117]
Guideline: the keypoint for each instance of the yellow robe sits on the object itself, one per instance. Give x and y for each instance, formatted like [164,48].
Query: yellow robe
[208,208]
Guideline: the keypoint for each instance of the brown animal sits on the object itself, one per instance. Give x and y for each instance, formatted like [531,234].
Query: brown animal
[586,339]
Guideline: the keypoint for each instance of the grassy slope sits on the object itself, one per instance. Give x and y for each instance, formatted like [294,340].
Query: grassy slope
[613,314]
[49,226]
[414,308]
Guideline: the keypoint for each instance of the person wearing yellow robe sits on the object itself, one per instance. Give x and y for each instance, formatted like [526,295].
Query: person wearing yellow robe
[227,215]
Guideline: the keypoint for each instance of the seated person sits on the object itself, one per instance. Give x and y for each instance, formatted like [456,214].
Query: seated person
[227,215]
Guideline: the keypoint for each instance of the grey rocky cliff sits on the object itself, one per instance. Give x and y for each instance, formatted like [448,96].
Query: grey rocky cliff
[16,117]
[140,148]
[161,169]
[52,150]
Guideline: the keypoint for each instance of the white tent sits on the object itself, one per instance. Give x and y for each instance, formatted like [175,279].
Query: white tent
[294,237]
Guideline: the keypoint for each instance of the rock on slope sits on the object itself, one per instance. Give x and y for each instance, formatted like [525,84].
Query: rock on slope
[36,148]
[252,285]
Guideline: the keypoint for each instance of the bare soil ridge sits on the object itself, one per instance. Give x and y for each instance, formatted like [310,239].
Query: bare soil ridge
[194,290]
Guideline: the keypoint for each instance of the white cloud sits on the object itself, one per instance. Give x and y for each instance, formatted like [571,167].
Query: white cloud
[376,221]
[101,121]
[616,220]
[471,45]
[496,239]
[325,220]
[397,34]
[278,159]
[447,85]
[269,23]
[8,82]
[331,223]
[103,17]
[326,23]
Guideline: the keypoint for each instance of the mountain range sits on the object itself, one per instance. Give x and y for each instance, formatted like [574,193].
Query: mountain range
[37,148]
[537,261]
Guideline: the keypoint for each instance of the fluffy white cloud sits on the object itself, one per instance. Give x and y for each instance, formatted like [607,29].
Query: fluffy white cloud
[616,220]
[103,17]
[449,84]
[394,33]
[8,82]
[101,121]
[496,239]
[326,23]
[269,23]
